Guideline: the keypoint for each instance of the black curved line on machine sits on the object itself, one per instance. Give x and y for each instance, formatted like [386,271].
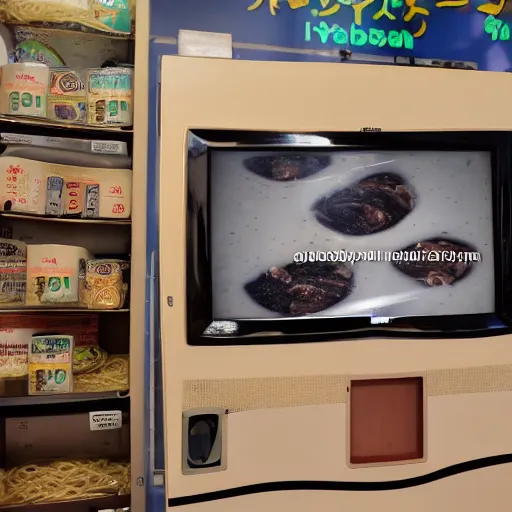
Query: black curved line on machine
[312,485]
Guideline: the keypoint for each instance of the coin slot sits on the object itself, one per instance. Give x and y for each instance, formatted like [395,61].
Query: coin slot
[204,432]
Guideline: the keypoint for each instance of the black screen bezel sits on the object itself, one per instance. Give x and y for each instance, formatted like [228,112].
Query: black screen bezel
[297,330]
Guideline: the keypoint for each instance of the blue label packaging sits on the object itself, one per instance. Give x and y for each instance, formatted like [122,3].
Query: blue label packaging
[50,364]
[92,201]
[54,189]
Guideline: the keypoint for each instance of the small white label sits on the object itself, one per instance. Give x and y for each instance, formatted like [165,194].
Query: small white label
[105,420]
[107,147]
[375,320]
[195,43]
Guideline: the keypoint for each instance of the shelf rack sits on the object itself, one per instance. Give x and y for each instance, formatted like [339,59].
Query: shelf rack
[91,505]
[39,218]
[34,121]
[61,399]
[68,402]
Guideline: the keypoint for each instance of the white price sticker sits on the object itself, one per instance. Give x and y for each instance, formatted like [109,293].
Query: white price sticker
[107,147]
[105,420]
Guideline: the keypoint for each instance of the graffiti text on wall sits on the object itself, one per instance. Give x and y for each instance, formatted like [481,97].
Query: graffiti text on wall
[498,29]
[357,36]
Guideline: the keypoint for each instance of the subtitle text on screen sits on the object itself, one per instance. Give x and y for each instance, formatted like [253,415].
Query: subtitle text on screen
[343,256]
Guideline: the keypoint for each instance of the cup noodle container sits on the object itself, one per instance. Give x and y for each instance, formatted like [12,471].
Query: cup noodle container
[54,273]
[24,89]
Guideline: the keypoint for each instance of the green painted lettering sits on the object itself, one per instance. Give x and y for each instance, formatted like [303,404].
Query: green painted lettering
[358,36]
[395,39]
[492,26]
[505,33]
[408,40]
[307,31]
[377,37]
[374,36]
[323,31]
[340,36]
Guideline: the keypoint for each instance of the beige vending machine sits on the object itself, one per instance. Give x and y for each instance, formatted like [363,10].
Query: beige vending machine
[335,287]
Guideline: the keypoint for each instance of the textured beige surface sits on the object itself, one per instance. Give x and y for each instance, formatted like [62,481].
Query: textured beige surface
[478,379]
[275,392]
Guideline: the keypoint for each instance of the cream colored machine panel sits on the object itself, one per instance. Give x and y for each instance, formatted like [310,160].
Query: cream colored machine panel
[283,409]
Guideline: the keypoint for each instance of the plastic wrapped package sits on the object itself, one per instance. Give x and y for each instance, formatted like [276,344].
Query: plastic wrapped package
[16,332]
[104,286]
[88,359]
[109,96]
[105,16]
[24,186]
[67,96]
[63,481]
[13,271]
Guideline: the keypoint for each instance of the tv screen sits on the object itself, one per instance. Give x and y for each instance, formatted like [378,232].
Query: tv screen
[409,231]
[351,233]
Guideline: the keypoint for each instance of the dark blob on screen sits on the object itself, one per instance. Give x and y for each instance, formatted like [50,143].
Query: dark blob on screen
[372,205]
[301,289]
[287,167]
[437,262]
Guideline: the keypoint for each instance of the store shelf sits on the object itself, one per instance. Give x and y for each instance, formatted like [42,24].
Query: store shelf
[61,308]
[91,505]
[41,122]
[43,30]
[13,401]
[30,217]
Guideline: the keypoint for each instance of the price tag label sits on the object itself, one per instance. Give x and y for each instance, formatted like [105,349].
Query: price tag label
[105,420]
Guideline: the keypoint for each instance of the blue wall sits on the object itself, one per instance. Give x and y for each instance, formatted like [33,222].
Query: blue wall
[452,33]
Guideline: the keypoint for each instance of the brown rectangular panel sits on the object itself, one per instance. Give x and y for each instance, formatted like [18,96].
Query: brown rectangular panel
[386,420]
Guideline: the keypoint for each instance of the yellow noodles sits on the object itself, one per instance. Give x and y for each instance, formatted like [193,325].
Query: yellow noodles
[112,376]
[88,359]
[13,366]
[62,481]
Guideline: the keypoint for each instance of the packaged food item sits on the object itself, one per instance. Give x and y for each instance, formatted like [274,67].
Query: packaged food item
[16,332]
[13,271]
[73,198]
[14,352]
[109,96]
[24,89]
[99,16]
[88,359]
[67,96]
[31,50]
[105,286]
[24,183]
[54,191]
[53,273]
[92,201]
[50,364]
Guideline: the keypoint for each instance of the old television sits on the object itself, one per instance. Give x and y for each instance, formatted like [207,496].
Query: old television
[332,235]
